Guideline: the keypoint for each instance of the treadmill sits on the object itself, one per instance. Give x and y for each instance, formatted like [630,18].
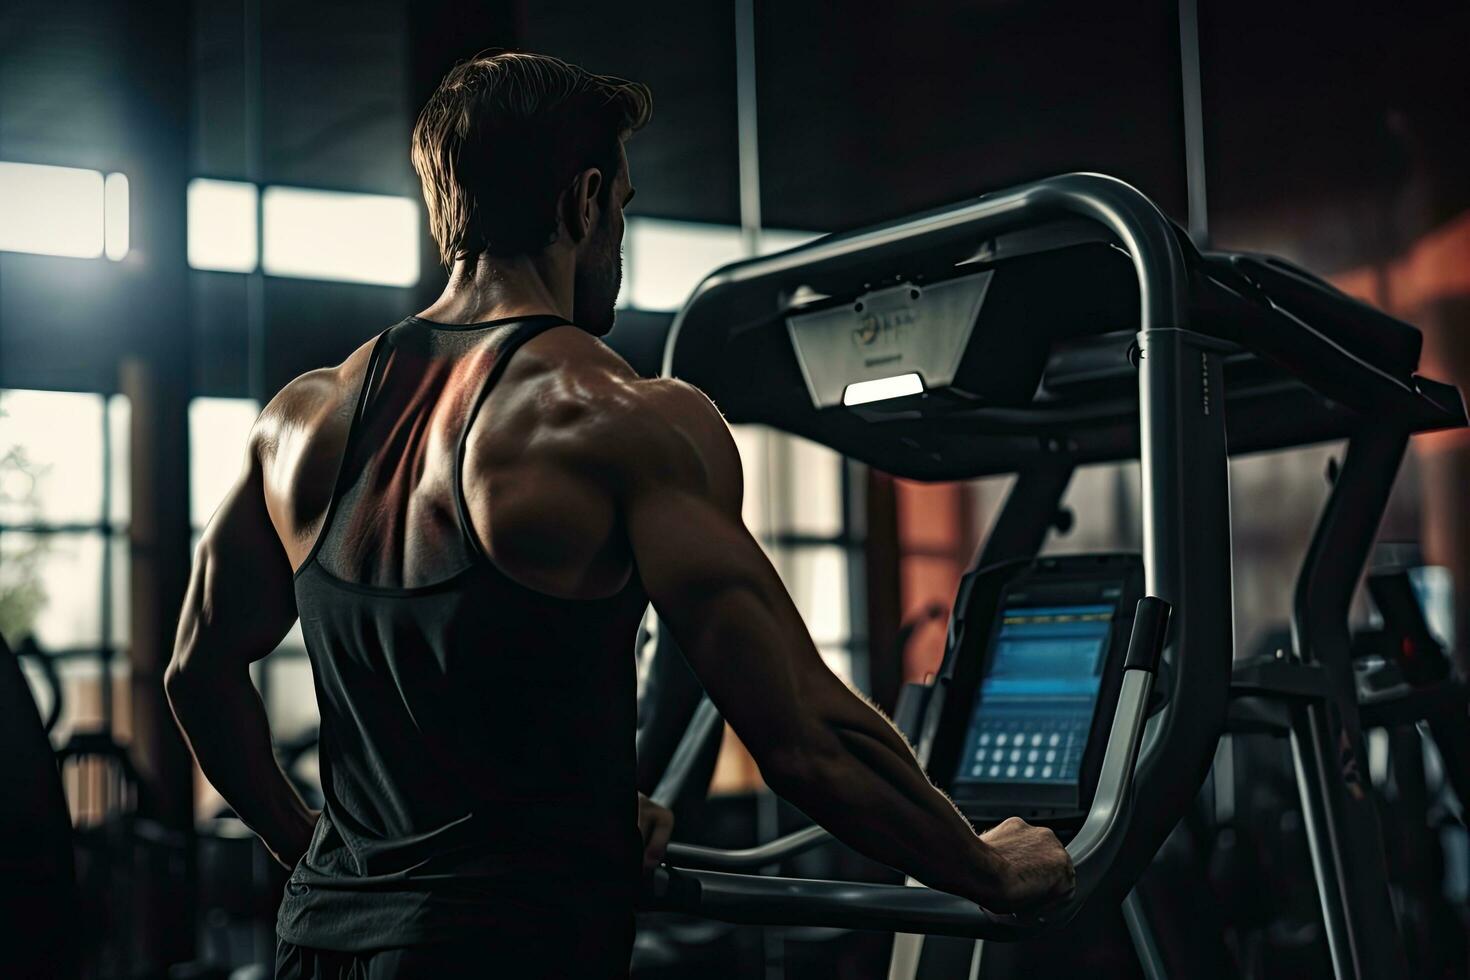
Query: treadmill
[1030,331]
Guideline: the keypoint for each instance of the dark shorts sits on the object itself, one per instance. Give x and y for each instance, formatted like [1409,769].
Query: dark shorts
[478,958]
[303,963]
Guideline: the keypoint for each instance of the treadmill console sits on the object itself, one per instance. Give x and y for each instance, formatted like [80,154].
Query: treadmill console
[1031,677]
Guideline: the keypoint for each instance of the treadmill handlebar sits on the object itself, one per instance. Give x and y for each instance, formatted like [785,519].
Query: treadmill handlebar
[1150,627]
[748,858]
[761,900]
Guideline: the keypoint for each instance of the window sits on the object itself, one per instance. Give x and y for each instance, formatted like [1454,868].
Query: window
[219,429]
[219,432]
[222,225]
[665,260]
[794,505]
[369,238]
[115,216]
[63,211]
[302,233]
[63,547]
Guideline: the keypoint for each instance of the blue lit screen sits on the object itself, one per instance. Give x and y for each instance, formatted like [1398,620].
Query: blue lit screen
[1031,719]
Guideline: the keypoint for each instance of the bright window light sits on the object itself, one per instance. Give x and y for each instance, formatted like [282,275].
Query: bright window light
[312,234]
[219,430]
[223,235]
[50,457]
[667,259]
[115,215]
[881,389]
[816,578]
[50,210]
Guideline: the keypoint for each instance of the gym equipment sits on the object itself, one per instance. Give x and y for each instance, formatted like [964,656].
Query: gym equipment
[38,901]
[50,679]
[1063,322]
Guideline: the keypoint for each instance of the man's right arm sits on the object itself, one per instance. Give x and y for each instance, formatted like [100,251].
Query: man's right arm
[818,744]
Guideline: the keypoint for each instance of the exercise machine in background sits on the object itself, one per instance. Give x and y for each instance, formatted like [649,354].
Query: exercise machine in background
[1033,330]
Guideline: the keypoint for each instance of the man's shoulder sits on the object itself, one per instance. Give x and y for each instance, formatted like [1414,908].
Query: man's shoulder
[309,402]
[586,389]
[580,370]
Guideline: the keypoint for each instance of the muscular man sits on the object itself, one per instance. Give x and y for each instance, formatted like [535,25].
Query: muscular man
[469,516]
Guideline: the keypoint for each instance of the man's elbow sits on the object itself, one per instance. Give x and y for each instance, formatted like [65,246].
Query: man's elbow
[177,681]
[184,680]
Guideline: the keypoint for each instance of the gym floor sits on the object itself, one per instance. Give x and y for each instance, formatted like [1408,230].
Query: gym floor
[202,199]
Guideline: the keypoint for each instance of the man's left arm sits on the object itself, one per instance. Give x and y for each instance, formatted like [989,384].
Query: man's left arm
[239,606]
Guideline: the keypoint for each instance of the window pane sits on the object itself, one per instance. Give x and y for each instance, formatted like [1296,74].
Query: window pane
[816,577]
[115,219]
[814,503]
[50,210]
[50,457]
[119,417]
[370,238]
[49,586]
[219,429]
[122,633]
[753,443]
[223,218]
[292,697]
[667,259]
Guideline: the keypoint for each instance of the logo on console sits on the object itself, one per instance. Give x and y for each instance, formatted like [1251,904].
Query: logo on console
[883,330]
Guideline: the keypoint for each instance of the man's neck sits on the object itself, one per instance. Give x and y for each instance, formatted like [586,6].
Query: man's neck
[496,289]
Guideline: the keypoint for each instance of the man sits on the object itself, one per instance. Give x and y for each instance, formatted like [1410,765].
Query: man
[470,539]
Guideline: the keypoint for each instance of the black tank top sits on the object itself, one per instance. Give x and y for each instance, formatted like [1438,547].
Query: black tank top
[476,735]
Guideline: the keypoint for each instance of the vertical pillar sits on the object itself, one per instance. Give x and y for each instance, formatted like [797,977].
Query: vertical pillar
[159,567]
[881,588]
[156,374]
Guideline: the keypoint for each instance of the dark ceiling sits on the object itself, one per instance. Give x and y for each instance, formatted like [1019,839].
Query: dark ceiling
[1334,134]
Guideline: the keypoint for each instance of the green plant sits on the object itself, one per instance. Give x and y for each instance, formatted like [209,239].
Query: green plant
[22,595]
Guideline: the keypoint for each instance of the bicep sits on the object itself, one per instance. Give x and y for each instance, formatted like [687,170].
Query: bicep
[240,601]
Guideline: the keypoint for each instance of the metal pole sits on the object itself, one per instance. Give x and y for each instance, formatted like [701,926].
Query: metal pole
[1341,818]
[772,942]
[745,109]
[250,135]
[855,547]
[105,640]
[1027,514]
[1194,126]
[1145,945]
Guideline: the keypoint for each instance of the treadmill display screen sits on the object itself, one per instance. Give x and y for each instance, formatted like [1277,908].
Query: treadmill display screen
[1033,713]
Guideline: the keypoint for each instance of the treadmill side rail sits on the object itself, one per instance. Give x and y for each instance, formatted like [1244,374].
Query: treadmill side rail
[915,909]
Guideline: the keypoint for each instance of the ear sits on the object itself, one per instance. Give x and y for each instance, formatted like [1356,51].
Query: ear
[580,206]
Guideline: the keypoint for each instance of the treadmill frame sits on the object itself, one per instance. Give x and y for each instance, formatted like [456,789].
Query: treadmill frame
[1178,431]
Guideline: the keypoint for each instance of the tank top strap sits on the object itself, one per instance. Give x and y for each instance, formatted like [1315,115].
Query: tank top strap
[358,412]
[520,333]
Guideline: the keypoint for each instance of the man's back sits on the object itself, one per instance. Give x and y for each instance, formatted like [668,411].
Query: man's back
[471,597]
[476,747]
[556,536]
